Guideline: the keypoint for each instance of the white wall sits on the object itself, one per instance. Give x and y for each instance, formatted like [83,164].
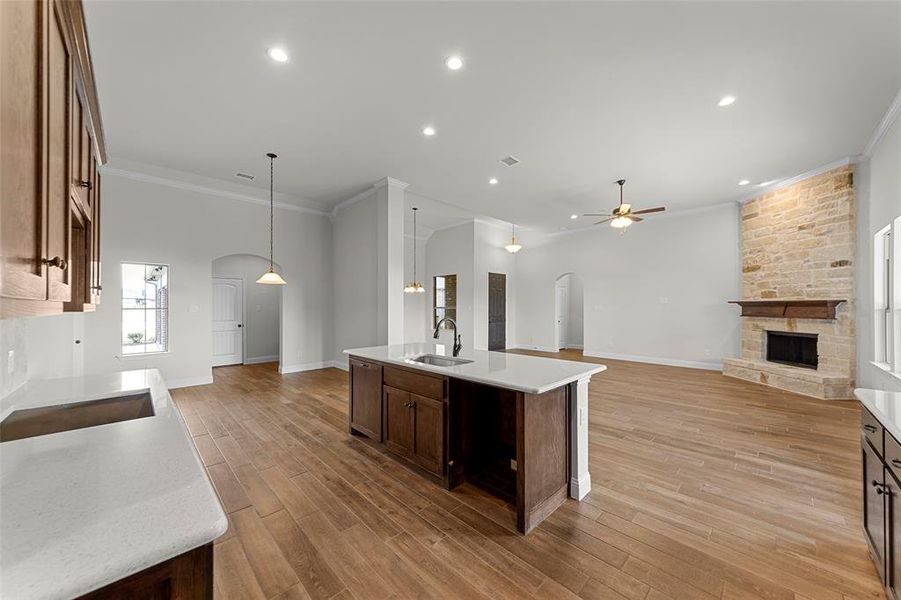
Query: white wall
[187,228]
[878,183]
[262,305]
[658,292]
[450,252]
[43,348]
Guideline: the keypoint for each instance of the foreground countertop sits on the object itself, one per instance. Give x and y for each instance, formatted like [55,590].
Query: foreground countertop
[84,508]
[885,406]
[529,374]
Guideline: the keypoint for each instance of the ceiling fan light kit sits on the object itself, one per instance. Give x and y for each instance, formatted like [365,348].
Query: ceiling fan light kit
[623,216]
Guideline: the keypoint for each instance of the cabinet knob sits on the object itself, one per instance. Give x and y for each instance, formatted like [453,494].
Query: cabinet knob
[870,428]
[56,261]
[896,462]
[97,287]
[85,184]
[883,489]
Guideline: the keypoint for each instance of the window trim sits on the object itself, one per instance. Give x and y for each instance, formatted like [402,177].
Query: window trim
[886,306]
[122,355]
[445,307]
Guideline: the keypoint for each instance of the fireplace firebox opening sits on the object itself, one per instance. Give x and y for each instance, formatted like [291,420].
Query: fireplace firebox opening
[790,348]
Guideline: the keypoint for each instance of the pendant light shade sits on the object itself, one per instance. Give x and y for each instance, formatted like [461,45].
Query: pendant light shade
[513,247]
[270,277]
[414,287]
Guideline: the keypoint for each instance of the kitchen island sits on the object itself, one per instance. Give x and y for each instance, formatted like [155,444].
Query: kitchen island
[102,492]
[514,425]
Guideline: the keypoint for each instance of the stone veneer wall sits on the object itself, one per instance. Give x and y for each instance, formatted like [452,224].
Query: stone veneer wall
[798,243]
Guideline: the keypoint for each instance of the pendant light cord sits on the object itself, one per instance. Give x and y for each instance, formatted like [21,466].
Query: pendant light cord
[271,207]
[414,245]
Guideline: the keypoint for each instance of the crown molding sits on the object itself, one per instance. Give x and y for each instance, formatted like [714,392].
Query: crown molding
[784,183]
[383,182]
[884,125]
[204,189]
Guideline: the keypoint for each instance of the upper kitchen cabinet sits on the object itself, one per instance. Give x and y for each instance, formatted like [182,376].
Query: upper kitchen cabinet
[52,148]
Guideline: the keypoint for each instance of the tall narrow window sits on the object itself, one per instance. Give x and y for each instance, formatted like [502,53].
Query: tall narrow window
[445,299]
[145,308]
[884,299]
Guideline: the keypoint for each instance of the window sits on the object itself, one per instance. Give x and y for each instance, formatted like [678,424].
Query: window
[145,308]
[886,295]
[444,299]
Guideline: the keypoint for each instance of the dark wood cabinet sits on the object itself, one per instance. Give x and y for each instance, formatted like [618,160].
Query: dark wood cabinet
[428,433]
[399,421]
[365,412]
[874,505]
[52,147]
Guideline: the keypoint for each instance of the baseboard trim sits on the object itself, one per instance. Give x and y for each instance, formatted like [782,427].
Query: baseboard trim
[579,488]
[326,364]
[261,359]
[538,348]
[656,360]
[574,346]
[182,382]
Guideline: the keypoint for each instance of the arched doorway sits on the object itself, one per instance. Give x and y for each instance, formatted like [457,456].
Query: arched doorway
[568,311]
[246,325]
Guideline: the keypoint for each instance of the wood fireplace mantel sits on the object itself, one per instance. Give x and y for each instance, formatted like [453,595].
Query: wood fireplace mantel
[788,309]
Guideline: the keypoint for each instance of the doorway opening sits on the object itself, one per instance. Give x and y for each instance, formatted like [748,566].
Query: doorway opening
[569,311]
[497,311]
[246,316]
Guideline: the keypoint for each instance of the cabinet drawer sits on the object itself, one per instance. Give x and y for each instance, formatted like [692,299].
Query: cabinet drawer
[893,455]
[423,385]
[872,430]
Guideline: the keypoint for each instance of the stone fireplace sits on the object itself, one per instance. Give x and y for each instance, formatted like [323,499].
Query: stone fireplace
[797,330]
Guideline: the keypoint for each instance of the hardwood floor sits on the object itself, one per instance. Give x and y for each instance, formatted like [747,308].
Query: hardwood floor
[703,487]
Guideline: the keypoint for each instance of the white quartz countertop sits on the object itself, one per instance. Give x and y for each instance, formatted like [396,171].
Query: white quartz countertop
[885,406]
[83,508]
[530,374]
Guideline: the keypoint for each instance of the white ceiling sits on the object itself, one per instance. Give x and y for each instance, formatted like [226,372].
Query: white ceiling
[581,93]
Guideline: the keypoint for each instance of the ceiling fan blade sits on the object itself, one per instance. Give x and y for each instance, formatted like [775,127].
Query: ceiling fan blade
[595,215]
[604,221]
[633,218]
[649,210]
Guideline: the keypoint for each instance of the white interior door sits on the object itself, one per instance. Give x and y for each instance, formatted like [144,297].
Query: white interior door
[228,325]
[562,306]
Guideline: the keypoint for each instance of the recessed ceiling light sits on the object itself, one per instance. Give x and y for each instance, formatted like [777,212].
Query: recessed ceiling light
[428,131]
[573,216]
[493,181]
[277,54]
[726,101]
[766,183]
[744,182]
[454,63]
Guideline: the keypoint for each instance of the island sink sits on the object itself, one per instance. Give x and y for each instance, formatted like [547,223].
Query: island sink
[44,420]
[440,361]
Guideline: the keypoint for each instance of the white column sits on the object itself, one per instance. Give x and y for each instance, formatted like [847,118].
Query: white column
[580,483]
[391,204]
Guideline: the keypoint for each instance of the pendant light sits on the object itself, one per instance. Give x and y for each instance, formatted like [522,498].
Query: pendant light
[513,247]
[270,277]
[414,287]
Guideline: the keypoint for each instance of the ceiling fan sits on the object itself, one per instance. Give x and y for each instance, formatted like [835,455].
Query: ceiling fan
[622,216]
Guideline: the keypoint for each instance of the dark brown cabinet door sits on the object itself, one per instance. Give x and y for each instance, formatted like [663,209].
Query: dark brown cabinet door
[366,398]
[893,531]
[428,443]
[497,311]
[874,505]
[399,415]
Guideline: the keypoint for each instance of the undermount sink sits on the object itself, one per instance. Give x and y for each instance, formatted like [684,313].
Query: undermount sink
[43,420]
[440,361]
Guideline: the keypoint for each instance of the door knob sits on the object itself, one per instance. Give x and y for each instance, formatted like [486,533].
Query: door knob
[239,325]
[56,261]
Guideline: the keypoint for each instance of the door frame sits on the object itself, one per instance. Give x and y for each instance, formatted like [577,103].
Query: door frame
[243,317]
[561,323]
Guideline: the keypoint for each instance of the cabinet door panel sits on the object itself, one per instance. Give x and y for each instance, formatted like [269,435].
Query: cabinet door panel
[59,88]
[95,238]
[23,27]
[874,505]
[398,421]
[366,398]
[893,542]
[428,447]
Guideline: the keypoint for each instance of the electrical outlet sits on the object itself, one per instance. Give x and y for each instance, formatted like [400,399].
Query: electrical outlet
[10,362]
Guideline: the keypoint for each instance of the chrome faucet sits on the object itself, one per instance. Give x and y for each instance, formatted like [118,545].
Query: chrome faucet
[458,345]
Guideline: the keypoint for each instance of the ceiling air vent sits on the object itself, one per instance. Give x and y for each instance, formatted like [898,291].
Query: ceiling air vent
[510,161]
[246,176]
